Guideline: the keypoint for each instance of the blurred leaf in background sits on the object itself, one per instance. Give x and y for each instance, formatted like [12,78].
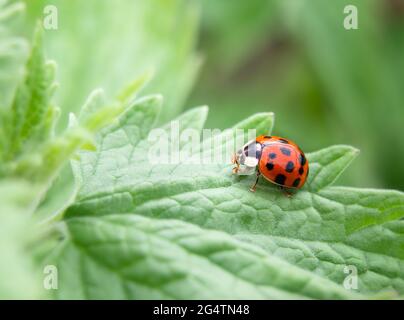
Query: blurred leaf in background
[18,279]
[326,84]
[13,51]
[106,44]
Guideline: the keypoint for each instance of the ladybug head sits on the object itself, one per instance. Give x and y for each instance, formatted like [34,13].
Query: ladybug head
[248,155]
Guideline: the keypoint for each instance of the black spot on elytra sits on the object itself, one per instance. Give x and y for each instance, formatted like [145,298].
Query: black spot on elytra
[296,182]
[280,179]
[272,155]
[289,166]
[285,151]
[269,165]
[301,170]
[302,159]
[268,137]
[283,140]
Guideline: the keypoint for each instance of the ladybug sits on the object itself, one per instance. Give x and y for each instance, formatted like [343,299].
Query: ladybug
[278,160]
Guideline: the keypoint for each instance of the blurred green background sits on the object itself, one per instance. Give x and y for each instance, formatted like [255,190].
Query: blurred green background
[327,85]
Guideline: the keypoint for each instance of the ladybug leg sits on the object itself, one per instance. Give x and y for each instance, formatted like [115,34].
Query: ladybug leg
[234,161]
[286,192]
[254,186]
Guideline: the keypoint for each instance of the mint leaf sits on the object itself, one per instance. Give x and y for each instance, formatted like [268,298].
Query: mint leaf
[318,232]
[30,148]
[131,257]
[31,106]
[328,164]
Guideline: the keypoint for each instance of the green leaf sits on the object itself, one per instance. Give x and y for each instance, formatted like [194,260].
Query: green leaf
[132,257]
[58,197]
[320,230]
[328,164]
[33,151]
[31,107]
